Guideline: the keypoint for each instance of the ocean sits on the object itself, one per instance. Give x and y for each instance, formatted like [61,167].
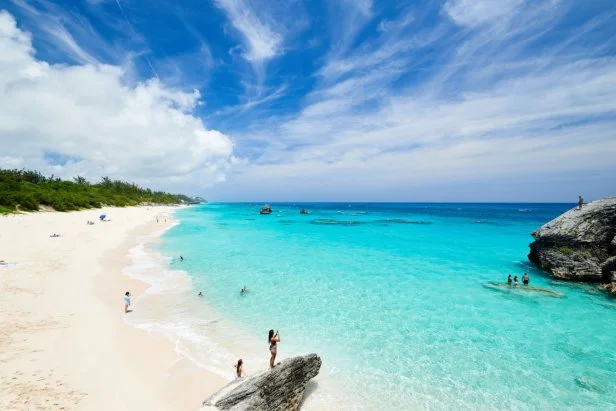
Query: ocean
[407,304]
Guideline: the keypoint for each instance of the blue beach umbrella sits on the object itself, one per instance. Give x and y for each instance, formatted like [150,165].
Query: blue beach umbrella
[102,217]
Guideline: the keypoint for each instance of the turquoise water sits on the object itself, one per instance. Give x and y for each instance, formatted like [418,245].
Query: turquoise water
[396,300]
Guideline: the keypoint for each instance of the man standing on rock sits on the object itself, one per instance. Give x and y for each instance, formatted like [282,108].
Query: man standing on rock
[580,202]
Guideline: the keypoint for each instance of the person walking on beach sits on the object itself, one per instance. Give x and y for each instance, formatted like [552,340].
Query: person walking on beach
[273,339]
[126,301]
[580,202]
[509,280]
[525,279]
[515,280]
[239,369]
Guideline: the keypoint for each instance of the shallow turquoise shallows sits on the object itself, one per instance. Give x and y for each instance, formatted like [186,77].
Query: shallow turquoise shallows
[400,301]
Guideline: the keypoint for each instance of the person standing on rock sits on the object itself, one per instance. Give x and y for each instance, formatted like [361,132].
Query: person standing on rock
[580,202]
[239,369]
[273,339]
[525,279]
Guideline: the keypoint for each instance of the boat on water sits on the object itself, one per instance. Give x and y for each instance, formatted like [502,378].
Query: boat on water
[266,209]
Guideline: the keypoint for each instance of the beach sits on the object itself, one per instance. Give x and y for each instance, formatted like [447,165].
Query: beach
[64,341]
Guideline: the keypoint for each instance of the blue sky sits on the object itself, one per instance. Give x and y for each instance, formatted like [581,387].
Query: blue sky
[338,100]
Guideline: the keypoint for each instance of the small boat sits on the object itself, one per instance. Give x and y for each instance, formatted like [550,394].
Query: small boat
[266,209]
[303,211]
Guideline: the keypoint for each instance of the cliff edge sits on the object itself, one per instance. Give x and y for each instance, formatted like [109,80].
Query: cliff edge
[580,245]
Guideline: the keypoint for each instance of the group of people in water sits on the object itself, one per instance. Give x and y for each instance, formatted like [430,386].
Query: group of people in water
[525,279]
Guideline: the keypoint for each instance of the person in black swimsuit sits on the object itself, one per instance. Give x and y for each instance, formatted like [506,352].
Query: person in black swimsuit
[525,279]
[509,280]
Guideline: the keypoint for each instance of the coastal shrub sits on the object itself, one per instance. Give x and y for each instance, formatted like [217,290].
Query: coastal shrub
[27,201]
[28,190]
[6,210]
[565,250]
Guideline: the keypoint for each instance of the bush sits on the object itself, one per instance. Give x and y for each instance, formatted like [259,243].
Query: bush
[29,189]
[565,250]
[27,202]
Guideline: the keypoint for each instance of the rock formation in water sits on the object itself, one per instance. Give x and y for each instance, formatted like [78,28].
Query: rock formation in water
[266,209]
[281,388]
[580,245]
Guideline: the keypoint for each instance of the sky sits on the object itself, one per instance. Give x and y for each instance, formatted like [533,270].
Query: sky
[315,100]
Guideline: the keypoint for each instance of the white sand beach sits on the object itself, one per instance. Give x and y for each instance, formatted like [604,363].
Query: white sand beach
[64,343]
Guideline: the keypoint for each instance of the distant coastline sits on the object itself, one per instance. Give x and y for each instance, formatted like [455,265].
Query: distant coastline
[27,190]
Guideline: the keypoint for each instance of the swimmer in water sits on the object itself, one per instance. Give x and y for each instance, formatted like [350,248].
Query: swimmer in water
[200,294]
[525,279]
[509,280]
[244,290]
[515,280]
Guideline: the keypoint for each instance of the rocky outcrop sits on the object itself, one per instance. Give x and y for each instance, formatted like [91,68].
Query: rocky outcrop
[280,388]
[579,245]
[266,209]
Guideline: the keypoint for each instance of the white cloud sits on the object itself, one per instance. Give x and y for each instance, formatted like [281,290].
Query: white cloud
[88,114]
[261,42]
[477,12]
[489,109]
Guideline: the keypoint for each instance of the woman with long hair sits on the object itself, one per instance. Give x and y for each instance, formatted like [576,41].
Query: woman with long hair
[239,369]
[273,339]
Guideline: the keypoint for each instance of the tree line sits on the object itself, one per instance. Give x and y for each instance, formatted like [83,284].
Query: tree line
[27,190]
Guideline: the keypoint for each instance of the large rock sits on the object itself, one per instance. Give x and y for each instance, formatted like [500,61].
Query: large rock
[579,245]
[281,388]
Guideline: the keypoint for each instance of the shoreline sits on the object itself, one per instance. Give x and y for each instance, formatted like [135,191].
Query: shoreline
[65,342]
[204,336]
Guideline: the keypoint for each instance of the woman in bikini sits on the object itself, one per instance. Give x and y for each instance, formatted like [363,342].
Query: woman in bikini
[273,339]
[239,369]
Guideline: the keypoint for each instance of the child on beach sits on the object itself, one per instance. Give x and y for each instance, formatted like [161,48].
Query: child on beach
[273,339]
[126,301]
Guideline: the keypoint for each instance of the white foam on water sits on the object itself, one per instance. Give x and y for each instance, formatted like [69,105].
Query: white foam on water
[171,309]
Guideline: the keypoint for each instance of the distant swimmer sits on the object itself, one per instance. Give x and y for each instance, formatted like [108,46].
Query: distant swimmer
[181,258]
[273,339]
[244,290]
[509,280]
[525,279]
[200,294]
[515,280]
[239,369]
[580,202]
[126,301]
